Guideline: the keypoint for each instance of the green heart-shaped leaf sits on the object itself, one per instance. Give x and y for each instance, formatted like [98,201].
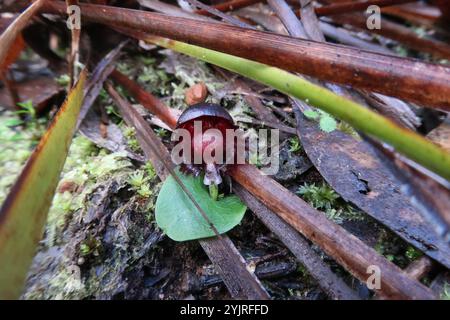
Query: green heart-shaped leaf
[178,217]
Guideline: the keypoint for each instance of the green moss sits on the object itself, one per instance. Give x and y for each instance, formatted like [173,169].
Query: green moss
[90,247]
[91,260]
[63,80]
[145,70]
[412,253]
[150,170]
[17,139]
[320,197]
[294,144]
[145,191]
[139,181]
[66,284]
[445,295]
[348,129]
[395,249]
[323,197]
[106,164]
[130,134]
[162,133]
[85,166]
[63,205]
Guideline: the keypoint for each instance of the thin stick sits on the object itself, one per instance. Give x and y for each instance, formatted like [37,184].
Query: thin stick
[148,100]
[287,16]
[98,77]
[348,250]
[328,281]
[74,48]
[419,268]
[398,33]
[347,7]
[320,11]
[230,6]
[407,79]
[225,17]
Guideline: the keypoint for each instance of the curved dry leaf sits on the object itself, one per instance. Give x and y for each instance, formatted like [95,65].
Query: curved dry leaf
[8,37]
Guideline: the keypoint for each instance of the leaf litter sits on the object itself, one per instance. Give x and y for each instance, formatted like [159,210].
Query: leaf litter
[105,201]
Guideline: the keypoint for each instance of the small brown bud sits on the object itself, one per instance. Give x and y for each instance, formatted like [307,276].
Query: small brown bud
[196,94]
[69,186]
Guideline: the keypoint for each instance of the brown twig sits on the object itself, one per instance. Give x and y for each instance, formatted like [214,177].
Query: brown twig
[171,10]
[343,36]
[230,6]
[98,77]
[404,78]
[288,18]
[419,268]
[74,48]
[417,13]
[338,8]
[225,17]
[348,250]
[346,7]
[149,101]
[398,33]
[328,281]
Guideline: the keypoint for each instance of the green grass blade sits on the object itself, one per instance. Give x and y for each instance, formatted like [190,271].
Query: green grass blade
[403,140]
[24,212]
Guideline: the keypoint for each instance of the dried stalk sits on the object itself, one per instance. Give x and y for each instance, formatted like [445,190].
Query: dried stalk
[331,9]
[348,250]
[229,6]
[171,10]
[419,268]
[404,78]
[328,281]
[399,33]
[421,15]
[346,7]
[225,17]
[146,99]
[287,16]
[98,77]
[74,48]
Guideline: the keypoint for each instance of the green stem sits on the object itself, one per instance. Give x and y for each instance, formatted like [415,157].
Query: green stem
[214,191]
[403,140]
